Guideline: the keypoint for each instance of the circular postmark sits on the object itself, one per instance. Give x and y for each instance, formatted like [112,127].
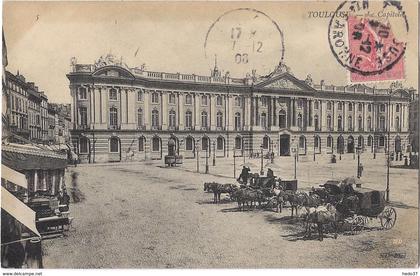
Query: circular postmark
[371,36]
[244,41]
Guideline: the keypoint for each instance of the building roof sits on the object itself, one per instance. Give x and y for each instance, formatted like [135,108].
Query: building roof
[114,71]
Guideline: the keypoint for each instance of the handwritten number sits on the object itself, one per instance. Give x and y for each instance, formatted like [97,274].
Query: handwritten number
[241,58]
[260,44]
[236,33]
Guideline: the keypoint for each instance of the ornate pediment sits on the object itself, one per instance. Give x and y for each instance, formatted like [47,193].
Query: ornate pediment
[285,81]
[283,84]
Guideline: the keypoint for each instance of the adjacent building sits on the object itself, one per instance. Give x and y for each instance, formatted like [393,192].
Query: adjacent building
[414,123]
[118,110]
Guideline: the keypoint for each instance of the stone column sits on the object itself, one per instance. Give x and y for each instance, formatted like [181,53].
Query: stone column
[197,111]
[73,105]
[293,112]
[146,109]
[97,104]
[123,105]
[90,106]
[248,112]
[212,112]
[131,108]
[181,113]
[164,104]
[231,113]
[104,105]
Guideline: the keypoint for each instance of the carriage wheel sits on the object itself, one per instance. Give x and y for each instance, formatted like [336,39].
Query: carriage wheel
[388,218]
[357,225]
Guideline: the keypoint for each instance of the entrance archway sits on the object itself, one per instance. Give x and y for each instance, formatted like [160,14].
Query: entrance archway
[340,144]
[350,144]
[397,144]
[284,145]
[172,146]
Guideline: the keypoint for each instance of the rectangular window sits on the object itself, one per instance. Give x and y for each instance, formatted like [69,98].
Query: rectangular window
[141,144]
[204,100]
[188,99]
[172,98]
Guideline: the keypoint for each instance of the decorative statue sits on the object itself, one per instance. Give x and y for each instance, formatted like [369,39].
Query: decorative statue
[309,80]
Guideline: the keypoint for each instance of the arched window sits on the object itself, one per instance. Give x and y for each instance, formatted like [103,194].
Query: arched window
[82,93]
[328,105]
[350,122]
[188,99]
[155,118]
[114,145]
[155,97]
[329,122]
[299,120]
[264,101]
[340,123]
[282,119]
[188,119]
[360,123]
[189,143]
[156,144]
[382,123]
[172,118]
[369,123]
[302,144]
[219,119]
[316,122]
[329,142]
[340,106]
[204,100]
[83,115]
[266,142]
[382,108]
[140,117]
[237,101]
[113,94]
[317,144]
[204,143]
[219,101]
[142,141]
[140,95]
[238,142]
[382,141]
[263,120]
[83,145]
[113,117]
[369,141]
[397,123]
[171,98]
[360,141]
[220,143]
[204,119]
[238,121]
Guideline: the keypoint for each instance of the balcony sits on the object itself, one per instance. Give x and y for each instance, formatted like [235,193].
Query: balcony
[156,128]
[239,128]
[173,128]
[141,127]
[114,127]
[188,128]
[205,128]
[220,128]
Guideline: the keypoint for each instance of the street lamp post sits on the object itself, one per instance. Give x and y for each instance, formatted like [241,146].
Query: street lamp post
[214,153]
[234,163]
[359,172]
[262,160]
[295,151]
[207,157]
[197,153]
[314,147]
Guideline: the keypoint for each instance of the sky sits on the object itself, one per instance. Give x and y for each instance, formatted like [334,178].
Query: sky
[42,37]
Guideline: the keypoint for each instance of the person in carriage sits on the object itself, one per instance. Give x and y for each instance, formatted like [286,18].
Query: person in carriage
[244,176]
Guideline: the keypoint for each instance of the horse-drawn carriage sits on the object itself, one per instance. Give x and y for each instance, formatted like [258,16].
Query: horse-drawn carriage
[356,204]
[370,204]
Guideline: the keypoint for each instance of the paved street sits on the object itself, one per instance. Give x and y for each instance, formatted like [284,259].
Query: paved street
[142,215]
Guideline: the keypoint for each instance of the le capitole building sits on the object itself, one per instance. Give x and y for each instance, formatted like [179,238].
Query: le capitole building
[121,113]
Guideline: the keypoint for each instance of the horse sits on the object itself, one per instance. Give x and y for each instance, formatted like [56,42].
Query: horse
[322,215]
[219,189]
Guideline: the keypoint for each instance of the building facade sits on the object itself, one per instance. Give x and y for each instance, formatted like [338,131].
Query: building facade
[17,101]
[414,123]
[118,111]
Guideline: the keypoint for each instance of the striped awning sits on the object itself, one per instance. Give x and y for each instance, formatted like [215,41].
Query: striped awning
[13,176]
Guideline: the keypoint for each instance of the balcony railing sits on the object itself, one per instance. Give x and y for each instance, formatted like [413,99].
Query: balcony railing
[204,128]
[220,128]
[141,127]
[114,127]
[173,128]
[156,128]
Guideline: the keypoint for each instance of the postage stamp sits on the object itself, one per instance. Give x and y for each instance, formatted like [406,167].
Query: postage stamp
[245,40]
[370,39]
